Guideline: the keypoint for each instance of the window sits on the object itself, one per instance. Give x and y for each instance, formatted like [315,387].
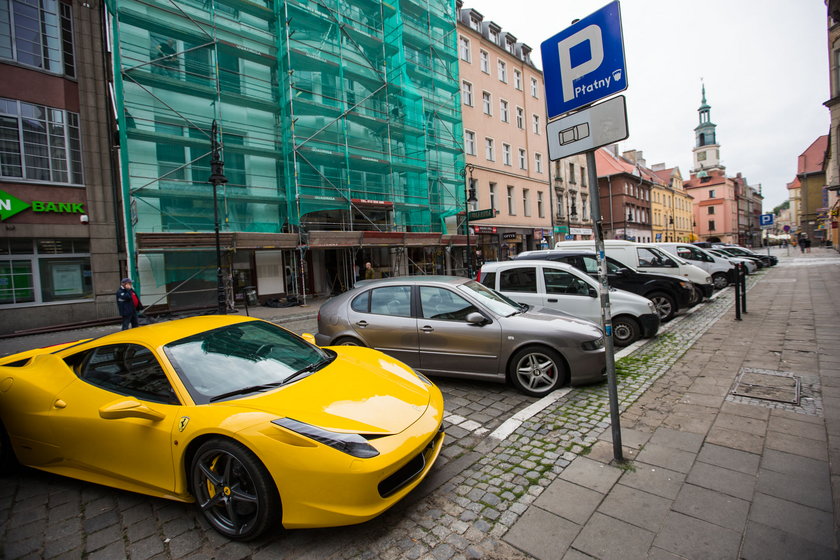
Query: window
[492,196]
[510,46]
[469,142]
[44,270]
[517,79]
[41,37]
[391,300]
[494,36]
[654,258]
[562,282]
[487,101]
[444,305]
[489,149]
[523,159]
[711,225]
[711,210]
[510,201]
[572,174]
[526,202]
[464,48]
[583,177]
[536,121]
[520,118]
[126,369]
[712,193]
[467,93]
[538,163]
[534,91]
[540,208]
[485,61]
[504,113]
[502,71]
[506,154]
[475,24]
[39,143]
[522,279]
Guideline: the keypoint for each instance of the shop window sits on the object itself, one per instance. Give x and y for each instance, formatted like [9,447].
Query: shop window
[36,271]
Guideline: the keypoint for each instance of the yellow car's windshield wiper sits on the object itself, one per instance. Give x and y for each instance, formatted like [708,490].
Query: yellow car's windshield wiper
[311,368]
[246,390]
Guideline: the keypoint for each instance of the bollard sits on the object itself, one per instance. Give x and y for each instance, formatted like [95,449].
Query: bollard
[743,280]
[738,293]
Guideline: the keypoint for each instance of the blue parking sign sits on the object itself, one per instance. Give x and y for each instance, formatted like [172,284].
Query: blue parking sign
[765,220]
[584,62]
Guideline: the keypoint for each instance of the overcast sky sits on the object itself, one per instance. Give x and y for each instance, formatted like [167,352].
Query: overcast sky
[764,63]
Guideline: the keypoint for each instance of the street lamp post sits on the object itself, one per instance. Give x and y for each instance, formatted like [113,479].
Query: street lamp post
[469,198]
[217,177]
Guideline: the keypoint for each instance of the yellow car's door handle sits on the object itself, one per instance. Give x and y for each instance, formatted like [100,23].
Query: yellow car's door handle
[129,409]
[59,403]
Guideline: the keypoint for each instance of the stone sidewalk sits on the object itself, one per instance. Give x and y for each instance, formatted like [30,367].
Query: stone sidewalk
[712,474]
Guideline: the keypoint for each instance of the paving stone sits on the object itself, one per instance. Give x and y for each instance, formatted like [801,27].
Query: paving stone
[636,507]
[697,539]
[798,428]
[809,491]
[655,480]
[729,458]
[685,441]
[666,457]
[629,437]
[797,465]
[744,441]
[811,524]
[591,474]
[796,445]
[767,543]
[729,482]
[608,538]
[542,534]
[712,506]
[569,500]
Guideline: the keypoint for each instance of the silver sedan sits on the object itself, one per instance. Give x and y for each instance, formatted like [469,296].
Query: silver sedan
[455,327]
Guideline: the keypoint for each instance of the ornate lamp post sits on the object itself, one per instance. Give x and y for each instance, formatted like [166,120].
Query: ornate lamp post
[217,177]
[468,199]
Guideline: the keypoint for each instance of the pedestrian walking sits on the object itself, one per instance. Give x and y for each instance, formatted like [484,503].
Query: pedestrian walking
[128,303]
[802,241]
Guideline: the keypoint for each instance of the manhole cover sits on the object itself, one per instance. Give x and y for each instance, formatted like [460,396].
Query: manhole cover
[767,386]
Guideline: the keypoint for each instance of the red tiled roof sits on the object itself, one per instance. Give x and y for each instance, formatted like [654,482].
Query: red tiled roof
[812,159]
[795,184]
[607,165]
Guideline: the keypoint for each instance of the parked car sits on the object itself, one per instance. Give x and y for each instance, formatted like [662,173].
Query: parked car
[668,293]
[751,264]
[456,327]
[253,423]
[646,257]
[562,287]
[721,270]
[766,260]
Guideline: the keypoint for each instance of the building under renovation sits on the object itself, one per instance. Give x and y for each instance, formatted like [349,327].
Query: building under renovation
[340,132]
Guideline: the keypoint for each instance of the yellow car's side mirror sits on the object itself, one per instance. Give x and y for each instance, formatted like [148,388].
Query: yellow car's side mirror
[308,337]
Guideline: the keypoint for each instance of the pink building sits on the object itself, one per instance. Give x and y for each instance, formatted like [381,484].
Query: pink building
[715,206]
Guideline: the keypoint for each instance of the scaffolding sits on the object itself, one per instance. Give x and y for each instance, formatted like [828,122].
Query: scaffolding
[335,115]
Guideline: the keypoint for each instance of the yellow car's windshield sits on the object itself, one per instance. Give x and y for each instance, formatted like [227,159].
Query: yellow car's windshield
[241,359]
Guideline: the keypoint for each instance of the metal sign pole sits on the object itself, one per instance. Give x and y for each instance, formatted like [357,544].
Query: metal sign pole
[606,315]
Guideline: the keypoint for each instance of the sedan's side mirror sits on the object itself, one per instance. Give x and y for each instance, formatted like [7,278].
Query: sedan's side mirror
[476,318]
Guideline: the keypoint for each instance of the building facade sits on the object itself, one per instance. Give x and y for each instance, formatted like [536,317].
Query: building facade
[340,133]
[624,185]
[832,160]
[671,206]
[572,212]
[59,235]
[813,195]
[507,167]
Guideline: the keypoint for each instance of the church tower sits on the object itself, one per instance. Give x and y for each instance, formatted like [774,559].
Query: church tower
[706,149]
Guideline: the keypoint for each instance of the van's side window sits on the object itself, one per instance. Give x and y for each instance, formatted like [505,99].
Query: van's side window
[519,280]
[561,282]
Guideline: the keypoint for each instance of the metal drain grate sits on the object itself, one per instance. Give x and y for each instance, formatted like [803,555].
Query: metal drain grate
[767,386]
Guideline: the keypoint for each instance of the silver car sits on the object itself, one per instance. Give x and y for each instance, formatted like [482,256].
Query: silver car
[452,326]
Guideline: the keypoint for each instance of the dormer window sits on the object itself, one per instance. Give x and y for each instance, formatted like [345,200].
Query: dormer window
[475,24]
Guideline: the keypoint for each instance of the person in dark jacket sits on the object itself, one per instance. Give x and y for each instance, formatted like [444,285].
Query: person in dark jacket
[128,302]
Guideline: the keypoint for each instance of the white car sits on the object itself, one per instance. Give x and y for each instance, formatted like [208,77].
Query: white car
[562,287]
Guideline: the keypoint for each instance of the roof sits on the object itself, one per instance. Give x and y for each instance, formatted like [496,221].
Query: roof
[795,184]
[607,165]
[715,178]
[812,159]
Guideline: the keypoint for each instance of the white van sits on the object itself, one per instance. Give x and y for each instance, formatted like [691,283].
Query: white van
[561,286]
[647,257]
[721,270]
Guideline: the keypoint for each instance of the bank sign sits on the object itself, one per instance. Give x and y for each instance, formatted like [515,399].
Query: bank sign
[10,205]
[584,62]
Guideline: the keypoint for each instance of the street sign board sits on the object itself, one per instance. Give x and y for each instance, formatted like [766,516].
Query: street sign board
[561,229]
[569,237]
[482,214]
[584,62]
[765,220]
[587,129]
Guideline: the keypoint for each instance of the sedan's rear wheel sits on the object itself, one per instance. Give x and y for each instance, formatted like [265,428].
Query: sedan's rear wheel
[348,341]
[626,330]
[234,490]
[537,371]
[665,306]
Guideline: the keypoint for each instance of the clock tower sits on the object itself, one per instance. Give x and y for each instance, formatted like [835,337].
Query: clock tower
[706,149]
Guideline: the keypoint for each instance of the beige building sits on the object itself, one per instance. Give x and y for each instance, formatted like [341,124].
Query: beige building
[506,153]
[831,216]
[671,206]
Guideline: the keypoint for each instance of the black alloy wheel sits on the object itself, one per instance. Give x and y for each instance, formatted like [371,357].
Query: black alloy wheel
[234,490]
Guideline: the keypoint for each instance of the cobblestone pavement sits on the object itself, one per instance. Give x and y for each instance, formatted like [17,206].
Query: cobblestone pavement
[476,492]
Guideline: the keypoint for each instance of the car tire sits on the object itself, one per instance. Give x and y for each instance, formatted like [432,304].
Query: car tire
[537,371]
[233,490]
[348,341]
[665,305]
[626,330]
[8,462]
[719,280]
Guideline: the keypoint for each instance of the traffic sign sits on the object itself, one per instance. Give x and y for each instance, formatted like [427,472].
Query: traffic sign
[786,228]
[765,220]
[587,129]
[482,214]
[584,62]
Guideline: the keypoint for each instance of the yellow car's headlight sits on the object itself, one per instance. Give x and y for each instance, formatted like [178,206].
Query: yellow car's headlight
[352,444]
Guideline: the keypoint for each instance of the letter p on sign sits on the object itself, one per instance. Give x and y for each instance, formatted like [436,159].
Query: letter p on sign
[569,72]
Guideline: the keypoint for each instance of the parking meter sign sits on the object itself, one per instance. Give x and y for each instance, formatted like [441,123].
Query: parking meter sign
[584,62]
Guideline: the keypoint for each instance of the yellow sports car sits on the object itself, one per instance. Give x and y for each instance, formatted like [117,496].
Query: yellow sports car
[253,423]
